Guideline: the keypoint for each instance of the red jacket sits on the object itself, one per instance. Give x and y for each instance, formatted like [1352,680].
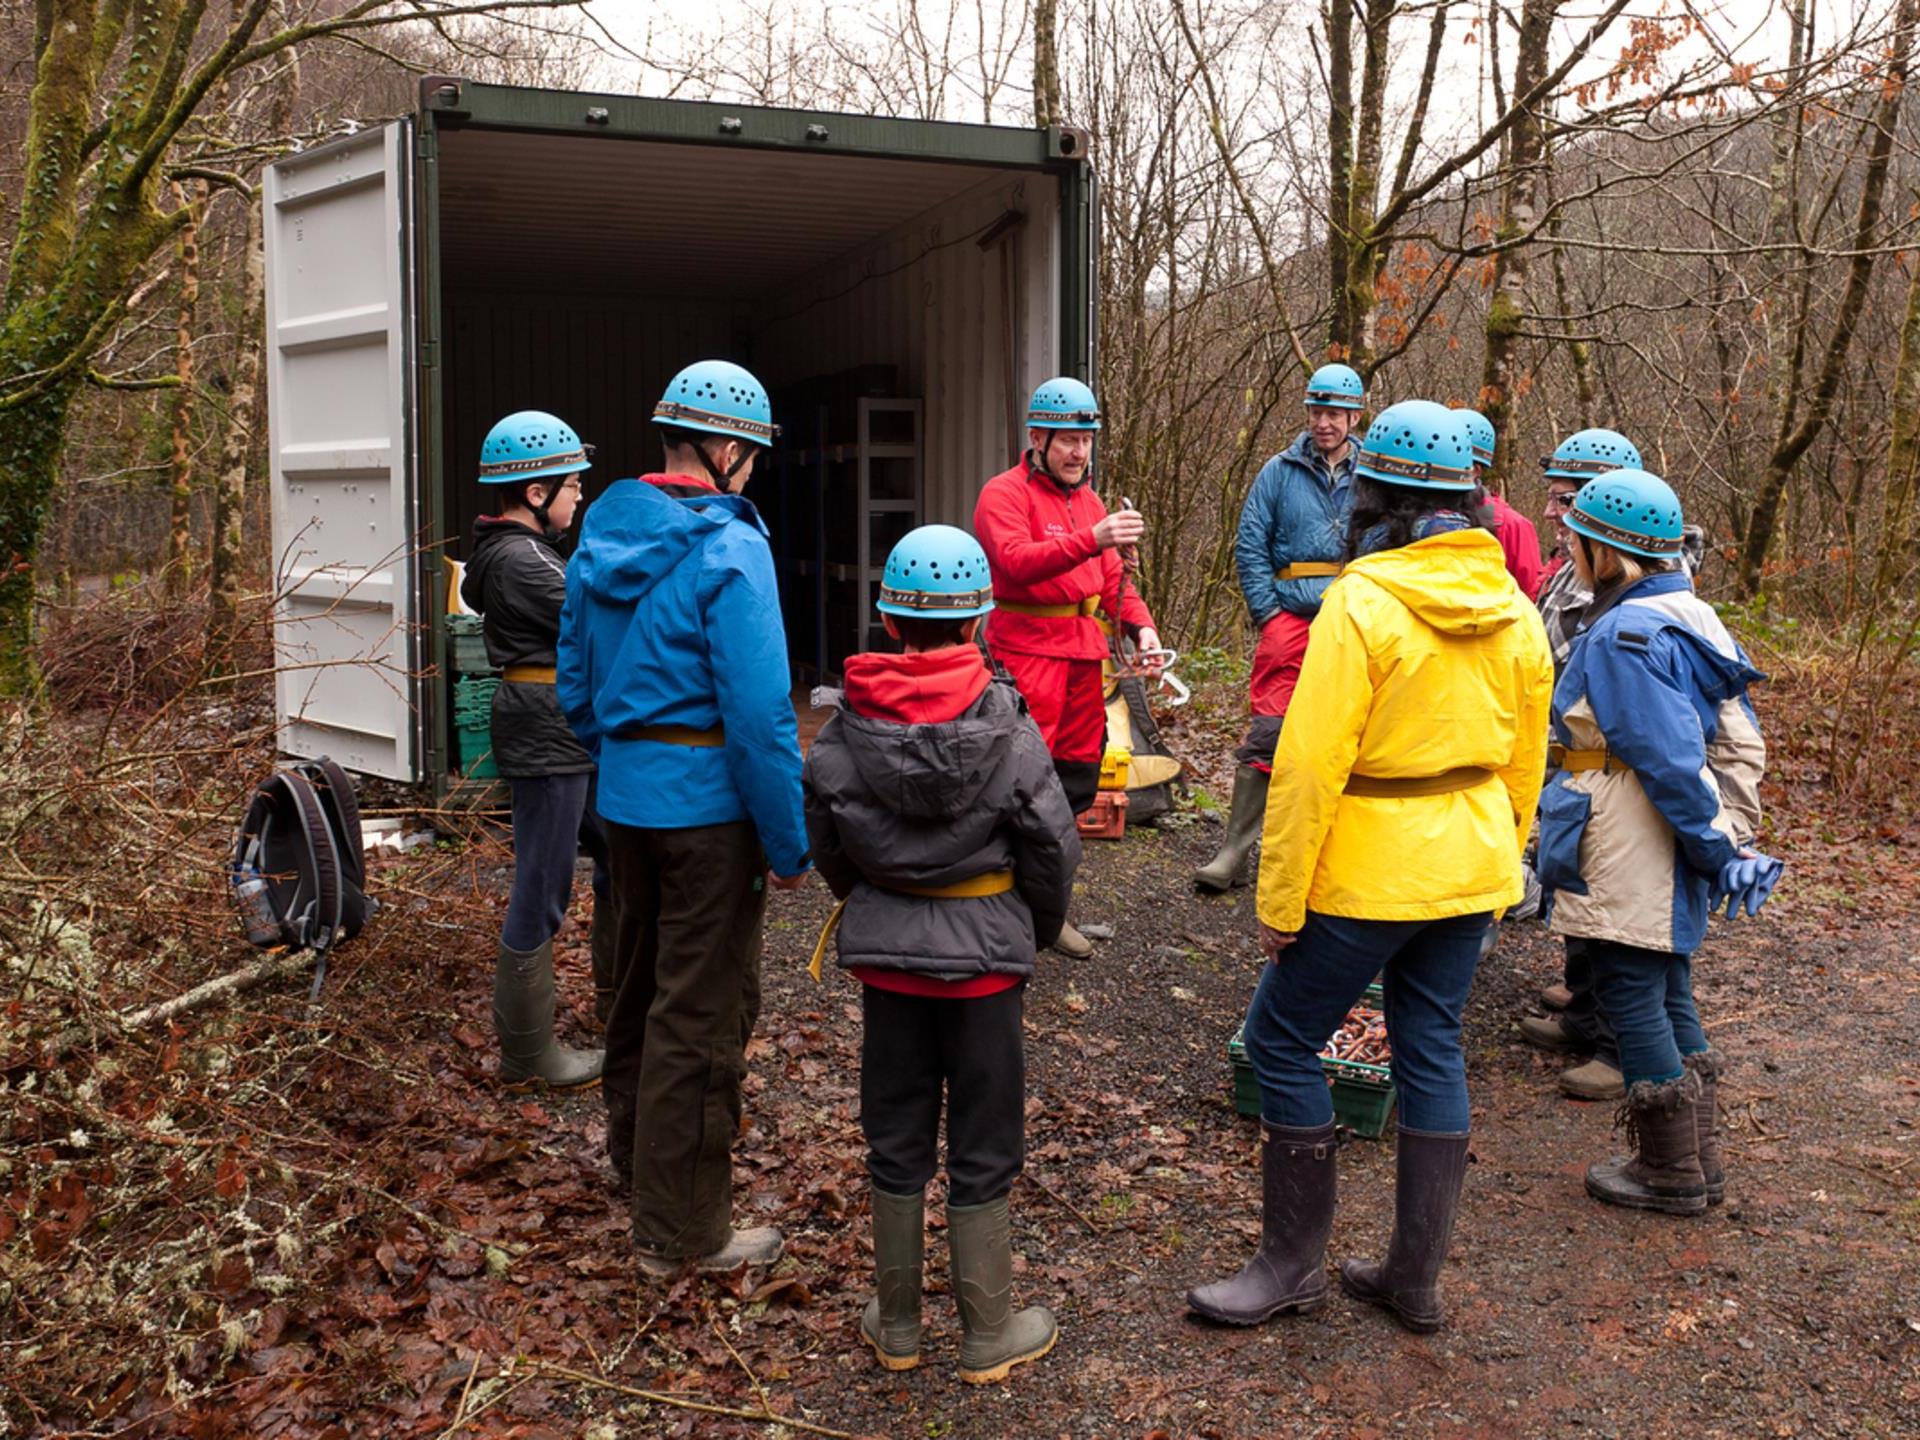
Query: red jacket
[1520,542]
[1041,551]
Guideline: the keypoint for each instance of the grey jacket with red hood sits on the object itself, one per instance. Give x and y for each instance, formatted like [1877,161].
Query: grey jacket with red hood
[932,773]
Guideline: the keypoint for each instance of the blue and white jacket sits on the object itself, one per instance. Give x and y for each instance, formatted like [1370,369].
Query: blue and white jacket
[1630,851]
[1296,511]
[673,618]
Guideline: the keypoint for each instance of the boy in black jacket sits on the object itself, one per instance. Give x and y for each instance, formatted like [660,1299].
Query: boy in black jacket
[935,815]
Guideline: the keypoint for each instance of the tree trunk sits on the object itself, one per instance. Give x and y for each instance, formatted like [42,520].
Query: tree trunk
[1367,250]
[1339,17]
[1500,376]
[1794,442]
[1903,445]
[1579,354]
[237,449]
[179,563]
[1046,64]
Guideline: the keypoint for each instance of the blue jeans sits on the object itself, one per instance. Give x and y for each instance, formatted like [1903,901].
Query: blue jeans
[1648,995]
[553,817]
[1301,1001]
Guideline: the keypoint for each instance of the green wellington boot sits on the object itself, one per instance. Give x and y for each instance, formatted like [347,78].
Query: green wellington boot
[1248,813]
[997,1337]
[891,1321]
[523,1021]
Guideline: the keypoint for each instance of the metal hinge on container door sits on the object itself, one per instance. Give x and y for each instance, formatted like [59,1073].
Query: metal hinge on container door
[429,351]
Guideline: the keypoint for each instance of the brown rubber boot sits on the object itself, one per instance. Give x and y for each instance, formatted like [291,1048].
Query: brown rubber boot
[1709,1065]
[997,1337]
[1664,1172]
[1556,997]
[1428,1174]
[891,1321]
[600,944]
[1289,1271]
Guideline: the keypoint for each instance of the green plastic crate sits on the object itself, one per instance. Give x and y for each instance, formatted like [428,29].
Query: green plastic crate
[473,699]
[1362,1094]
[474,746]
[466,647]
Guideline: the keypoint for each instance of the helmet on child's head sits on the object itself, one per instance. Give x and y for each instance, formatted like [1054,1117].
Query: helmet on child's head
[1479,435]
[939,572]
[1629,510]
[717,397]
[1418,443]
[1064,403]
[530,445]
[1588,453]
[1337,387]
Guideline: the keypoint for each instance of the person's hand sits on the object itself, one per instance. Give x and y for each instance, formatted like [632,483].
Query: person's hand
[1274,943]
[787,882]
[1151,662]
[1122,527]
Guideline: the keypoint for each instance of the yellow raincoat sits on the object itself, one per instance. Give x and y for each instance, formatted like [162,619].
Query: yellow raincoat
[1423,660]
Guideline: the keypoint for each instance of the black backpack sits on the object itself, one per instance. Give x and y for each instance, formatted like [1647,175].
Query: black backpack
[298,872]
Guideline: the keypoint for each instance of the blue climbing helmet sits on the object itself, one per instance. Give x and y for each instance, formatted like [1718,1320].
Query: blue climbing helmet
[1337,387]
[1064,403]
[1629,510]
[937,571]
[1587,453]
[530,445]
[1479,435]
[717,397]
[1418,443]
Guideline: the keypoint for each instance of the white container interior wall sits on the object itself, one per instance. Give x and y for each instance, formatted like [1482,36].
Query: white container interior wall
[802,266]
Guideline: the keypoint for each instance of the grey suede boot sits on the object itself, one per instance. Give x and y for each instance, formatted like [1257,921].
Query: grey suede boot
[997,1338]
[1289,1270]
[891,1321]
[523,1021]
[601,942]
[1664,1171]
[1244,820]
[1428,1172]
[1709,1065]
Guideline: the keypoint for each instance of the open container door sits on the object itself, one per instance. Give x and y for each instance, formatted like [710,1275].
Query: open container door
[339,356]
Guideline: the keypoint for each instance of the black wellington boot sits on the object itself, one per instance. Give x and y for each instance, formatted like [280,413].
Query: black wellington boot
[600,945]
[1289,1270]
[1428,1172]
[1664,1171]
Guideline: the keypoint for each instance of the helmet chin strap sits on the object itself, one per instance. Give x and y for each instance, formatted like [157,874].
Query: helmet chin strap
[723,480]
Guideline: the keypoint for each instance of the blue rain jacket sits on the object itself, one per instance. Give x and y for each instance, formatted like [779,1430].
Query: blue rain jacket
[673,618]
[1631,852]
[1295,511]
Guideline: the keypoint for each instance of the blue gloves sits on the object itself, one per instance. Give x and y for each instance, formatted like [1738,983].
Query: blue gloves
[1745,882]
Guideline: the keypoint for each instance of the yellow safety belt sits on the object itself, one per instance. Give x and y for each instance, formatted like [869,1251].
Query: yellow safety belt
[1309,570]
[993,882]
[1065,611]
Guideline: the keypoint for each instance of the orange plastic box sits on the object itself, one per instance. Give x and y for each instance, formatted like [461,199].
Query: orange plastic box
[1107,819]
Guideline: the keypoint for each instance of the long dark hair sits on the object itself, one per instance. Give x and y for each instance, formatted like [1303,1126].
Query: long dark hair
[1385,515]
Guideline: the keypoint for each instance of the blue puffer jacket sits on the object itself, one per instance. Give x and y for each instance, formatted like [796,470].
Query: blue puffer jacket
[1295,511]
[1630,851]
[673,618]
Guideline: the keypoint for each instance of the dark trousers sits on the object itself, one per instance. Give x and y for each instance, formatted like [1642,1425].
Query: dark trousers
[1649,995]
[1583,1015]
[912,1046]
[688,906]
[1426,969]
[553,820]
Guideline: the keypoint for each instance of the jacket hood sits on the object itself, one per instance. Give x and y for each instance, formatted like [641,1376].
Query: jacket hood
[635,536]
[1457,582]
[929,688]
[929,770]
